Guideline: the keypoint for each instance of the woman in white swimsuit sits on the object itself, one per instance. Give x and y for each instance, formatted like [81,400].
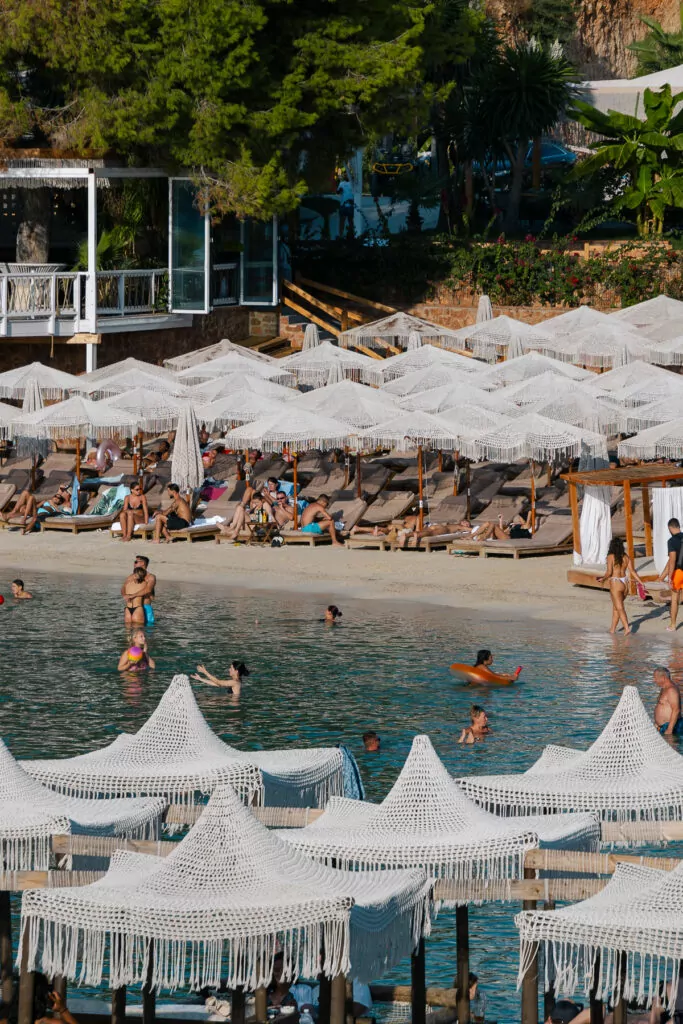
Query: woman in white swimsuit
[619,569]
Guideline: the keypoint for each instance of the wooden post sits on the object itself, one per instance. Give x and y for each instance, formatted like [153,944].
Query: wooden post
[78,459]
[530,980]
[148,993]
[468,511]
[59,987]
[237,1015]
[549,996]
[6,983]
[296,507]
[574,506]
[34,460]
[118,1005]
[324,999]
[338,1000]
[261,1005]
[348,1002]
[462,932]
[440,461]
[549,474]
[418,984]
[533,497]
[358,476]
[420,489]
[620,1011]
[628,516]
[647,519]
[347,466]
[27,985]
[596,1012]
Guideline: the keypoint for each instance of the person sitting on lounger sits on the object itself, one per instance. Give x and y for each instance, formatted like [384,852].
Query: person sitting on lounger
[134,511]
[316,519]
[478,727]
[281,511]
[25,505]
[176,517]
[58,505]
[161,454]
[233,684]
[518,529]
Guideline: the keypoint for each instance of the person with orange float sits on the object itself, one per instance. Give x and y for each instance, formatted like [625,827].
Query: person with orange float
[674,569]
[480,673]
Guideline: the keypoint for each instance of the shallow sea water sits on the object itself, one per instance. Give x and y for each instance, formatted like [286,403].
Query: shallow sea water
[384,667]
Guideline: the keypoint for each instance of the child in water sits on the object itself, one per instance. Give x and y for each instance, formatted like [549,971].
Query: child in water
[478,728]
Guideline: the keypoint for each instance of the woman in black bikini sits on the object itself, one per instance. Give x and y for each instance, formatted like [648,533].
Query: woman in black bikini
[134,598]
[134,511]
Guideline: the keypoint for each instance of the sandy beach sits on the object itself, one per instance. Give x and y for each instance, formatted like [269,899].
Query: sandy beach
[500,587]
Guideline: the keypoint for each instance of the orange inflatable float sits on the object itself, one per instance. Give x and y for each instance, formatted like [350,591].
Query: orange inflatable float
[483,676]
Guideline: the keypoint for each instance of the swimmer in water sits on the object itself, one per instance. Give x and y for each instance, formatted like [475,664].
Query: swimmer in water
[126,664]
[236,673]
[478,727]
[371,741]
[18,592]
[485,660]
[332,613]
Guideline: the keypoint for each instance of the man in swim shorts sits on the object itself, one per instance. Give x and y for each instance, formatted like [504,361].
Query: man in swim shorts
[674,570]
[176,517]
[316,519]
[668,707]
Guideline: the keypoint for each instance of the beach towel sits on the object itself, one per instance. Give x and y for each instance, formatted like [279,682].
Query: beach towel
[111,501]
[353,783]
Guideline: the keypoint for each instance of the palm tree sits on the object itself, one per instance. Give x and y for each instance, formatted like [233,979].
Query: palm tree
[523,91]
[646,153]
[659,50]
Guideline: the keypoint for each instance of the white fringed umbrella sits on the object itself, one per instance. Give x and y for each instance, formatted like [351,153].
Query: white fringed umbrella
[426,380]
[414,342]
[131,364]
[625,377]
[221,348]
[223,387]
[421,359]
[235,362]
[648,312]
[665,329]
[354,404]
[76,417]
[598,415]
[661,442]
[311,337]
[567,324]
[127,380]
[449,396]
[187,468]
[524,367]
[33,400]
[669,352]
[8,418]
[53,384]
[537,438]
[644,416]
[601,345]
[240,407]
[667,389]
[484,309]
[313,366]
[504,336]
[154,411]
[396,329]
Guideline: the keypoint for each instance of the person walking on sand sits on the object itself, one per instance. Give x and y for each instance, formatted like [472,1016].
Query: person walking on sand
[668,708]
[674,569]
[620,569]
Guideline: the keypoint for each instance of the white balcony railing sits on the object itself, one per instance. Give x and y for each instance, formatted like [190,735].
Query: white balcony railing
[125,292]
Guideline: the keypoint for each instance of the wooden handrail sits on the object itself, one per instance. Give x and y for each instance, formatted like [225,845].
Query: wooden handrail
[310,316]
[358,299]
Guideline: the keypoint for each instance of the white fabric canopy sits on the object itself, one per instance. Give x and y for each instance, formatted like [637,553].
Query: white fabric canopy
[600,345]
[33,400]
[625,95]
[504,336]
[484,309]
[187,468]
[629,772]
[298,428]
[396,329]
[579,408]
[381,372]
[669,352]
[127,380]
[512,371]
[353,404]
[409,430]
[667,503]
[311,337]
[426,821]
[129,365]
[638,915]
[414,341]
[615,381]
[426,380]
[235,362]
[667,389]
[30,814]
[574,320]
[644,416]
[219,907]
[648,312]
[241,406]
[535,437]
[153,411]
[448,396]
[224,387]
[53,384]
[175,755]
[76,417]
[221,348]
[662,442]
[595,526]
[312,366]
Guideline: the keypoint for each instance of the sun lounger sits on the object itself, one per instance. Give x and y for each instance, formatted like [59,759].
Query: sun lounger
[197,531]
[59,461]
[388,506]
[75,524]
[553,537]
[349,511]
[7,492]
[507,507]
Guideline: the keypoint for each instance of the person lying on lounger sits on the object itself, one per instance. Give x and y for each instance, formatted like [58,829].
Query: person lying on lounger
[58,505]
[316,519]
[25,505]
[409,536]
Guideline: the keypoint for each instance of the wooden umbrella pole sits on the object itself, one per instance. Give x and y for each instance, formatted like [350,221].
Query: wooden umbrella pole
[27,985]
[358,475]
[596,1013]
[347,466]
[6,980]
[118,1005]
[468,480]
[296,507]
[78,459]
[149,1007]
[533,497]
[420,489]
[462,932]
[456,472]
[440,461]
[418,986]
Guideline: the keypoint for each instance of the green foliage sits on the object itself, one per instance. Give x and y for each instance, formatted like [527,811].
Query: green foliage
[235,92]
[548,21]
[659,49]
[113,250]
[647,153]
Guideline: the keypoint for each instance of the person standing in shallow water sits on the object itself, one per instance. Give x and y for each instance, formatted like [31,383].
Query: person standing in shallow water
[668,707]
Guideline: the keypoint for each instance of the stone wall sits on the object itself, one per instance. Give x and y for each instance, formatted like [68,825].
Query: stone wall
[455,316]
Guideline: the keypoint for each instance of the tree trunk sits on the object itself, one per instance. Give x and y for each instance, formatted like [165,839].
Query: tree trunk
[443,171]
[515,195]
[33,233]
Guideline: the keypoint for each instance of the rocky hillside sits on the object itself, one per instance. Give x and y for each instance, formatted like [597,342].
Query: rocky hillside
[604,30]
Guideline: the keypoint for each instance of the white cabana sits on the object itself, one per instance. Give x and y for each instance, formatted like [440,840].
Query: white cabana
[53,384]
[354,404]
[30,814]
[396,330]
[628,773]
[176,755]
[512,371]
[625,95]
[313,365]
[661,442]
[427,821]
[187,468]
[427,357]
[235,362]
[218,909]
[624,943]
[649,312]
[504,336]
[574,320]
[221,348]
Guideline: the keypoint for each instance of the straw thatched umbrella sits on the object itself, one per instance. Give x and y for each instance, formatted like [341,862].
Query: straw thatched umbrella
[296,430]
[53,384]
[187,468]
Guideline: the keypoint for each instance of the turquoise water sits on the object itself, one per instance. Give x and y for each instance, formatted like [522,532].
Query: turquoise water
[384,667]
